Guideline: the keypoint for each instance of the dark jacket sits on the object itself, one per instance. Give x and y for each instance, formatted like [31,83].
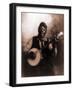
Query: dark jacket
[44,68]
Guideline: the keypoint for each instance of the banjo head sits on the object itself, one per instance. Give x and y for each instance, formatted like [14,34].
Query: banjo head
[36,60]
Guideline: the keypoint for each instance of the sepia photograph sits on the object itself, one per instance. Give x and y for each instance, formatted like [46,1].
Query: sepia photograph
[42,44]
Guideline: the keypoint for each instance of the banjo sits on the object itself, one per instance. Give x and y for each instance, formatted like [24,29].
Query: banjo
[37,54]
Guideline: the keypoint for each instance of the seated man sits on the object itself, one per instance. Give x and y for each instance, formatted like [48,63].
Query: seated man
[39,58]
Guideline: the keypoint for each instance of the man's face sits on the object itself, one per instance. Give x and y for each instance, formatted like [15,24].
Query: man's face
[42,31]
